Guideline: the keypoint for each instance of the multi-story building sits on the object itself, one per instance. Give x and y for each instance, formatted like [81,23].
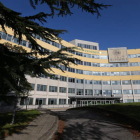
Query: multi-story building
[101,76]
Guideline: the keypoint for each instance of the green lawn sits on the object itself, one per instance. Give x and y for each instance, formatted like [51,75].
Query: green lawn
[130,109]
[22,118]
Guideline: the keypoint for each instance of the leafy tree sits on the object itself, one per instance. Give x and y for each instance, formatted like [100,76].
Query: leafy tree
[15,62]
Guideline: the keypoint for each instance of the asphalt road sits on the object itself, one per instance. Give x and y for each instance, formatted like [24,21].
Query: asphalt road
[90,125]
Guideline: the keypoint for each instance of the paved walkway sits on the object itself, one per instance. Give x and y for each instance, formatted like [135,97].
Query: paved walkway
[42,128]
[90,125]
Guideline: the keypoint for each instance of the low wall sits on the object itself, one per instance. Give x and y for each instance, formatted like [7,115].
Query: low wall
[4,109]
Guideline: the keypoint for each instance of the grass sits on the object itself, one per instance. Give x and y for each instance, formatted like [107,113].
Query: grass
[130,109]
[22,118]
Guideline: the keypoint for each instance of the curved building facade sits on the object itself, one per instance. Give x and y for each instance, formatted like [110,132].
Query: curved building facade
[100,77]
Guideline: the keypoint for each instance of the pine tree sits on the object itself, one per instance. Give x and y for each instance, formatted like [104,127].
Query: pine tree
[16,63]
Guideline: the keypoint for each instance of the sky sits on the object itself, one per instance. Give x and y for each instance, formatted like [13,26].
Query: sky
[118,25]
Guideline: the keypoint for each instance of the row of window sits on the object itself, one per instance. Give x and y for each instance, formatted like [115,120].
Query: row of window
[22,42]
[131,100]
[123,73]
[100,92]
[51,88]
[42,101]
[97,82]
[133,64]
[27,44]
[81,91]
[87,46]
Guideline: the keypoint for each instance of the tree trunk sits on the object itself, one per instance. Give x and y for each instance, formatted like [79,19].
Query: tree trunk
[14,113]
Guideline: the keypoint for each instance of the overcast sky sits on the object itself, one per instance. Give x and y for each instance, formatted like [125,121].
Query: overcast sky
[118,26]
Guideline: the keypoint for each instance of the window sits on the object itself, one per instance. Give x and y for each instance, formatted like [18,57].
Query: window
[38,37]
[105,73]
[71,90]
[87,72]
[62,47]
[123,64]
[127,91]
[43,76]
[94,47]
[115,73]
[52,89]
[104,65]
[87,46]
[79,62]
[52,101]
[87,63]
[63,67]
[24,43]
[30,100]
[4,36]
[79,71]
[88,92]
[137,100]
[97,92]
[107,92]
[138,55]
[135,72]
[133,64]
[126,82]
[55,77]
[88,81]
[63,78]
[72,80]
[125,73]
[79,54]
[137,91]
[80,81]
[29,45]
[95,56]
[9,37]
[79,92]
[40,101]
[1,34]
[96,73]
[26,101]
[106,83]
[117,91]
[87,55]
[79,45]
[55,44]
[97,82]
[128,100]
[16,40]
[71,70]
[48,41]
[132,56]
[41,87]
[62,90]
[103,57]
[33,86]
[96,64]
[62,101]
[136,82]
[71,51]
[114,65]
[116,82]
[52,66]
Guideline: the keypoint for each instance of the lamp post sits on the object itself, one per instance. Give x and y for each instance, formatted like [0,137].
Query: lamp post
[26,101]
[105,98]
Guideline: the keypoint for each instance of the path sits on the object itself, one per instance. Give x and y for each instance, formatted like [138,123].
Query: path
[42,128]
[90,125]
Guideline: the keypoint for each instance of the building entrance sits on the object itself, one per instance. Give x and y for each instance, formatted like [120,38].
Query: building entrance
[94,102]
